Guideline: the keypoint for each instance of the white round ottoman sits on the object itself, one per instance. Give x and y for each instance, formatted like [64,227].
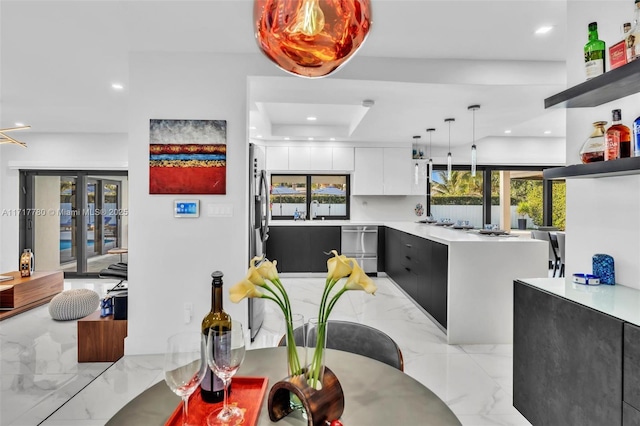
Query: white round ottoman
[73,304]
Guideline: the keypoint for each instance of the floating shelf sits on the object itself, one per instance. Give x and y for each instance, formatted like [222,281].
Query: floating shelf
[612,85]
[621,167]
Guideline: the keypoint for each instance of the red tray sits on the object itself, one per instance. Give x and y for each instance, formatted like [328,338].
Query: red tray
[247,392]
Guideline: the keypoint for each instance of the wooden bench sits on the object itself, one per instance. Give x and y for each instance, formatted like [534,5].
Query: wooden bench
[101,339]
[23,293]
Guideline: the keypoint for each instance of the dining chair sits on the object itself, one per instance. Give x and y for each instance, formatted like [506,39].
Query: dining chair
[554,260]
[358,339]
[561,237]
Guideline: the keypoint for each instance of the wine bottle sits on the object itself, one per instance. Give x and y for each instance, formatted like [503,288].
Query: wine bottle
[617,138]
[632,38]
[212,388]
[594,53]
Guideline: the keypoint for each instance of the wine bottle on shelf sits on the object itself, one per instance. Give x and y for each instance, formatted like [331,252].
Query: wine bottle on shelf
[617,138]
[212,388]
[594,53]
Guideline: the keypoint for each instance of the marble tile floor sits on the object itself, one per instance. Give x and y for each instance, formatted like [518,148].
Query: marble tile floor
[42,383]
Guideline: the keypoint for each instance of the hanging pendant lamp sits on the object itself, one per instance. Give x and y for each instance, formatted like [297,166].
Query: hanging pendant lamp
[474,159]
[449,165]
[416,166]
[430,164]
[311,38]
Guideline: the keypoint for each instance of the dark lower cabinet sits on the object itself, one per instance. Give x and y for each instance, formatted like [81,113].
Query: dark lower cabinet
[567,361]
[419,267]
[631,376]
[302,248]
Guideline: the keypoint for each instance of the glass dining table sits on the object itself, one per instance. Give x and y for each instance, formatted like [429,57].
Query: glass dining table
[375,394]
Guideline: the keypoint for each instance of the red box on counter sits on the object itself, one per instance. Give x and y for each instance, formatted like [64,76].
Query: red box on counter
[617,55]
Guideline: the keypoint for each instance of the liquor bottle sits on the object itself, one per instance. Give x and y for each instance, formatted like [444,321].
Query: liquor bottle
[636,137]
[633,36]
[618,138]
[618,52]
[594,53]
[212,388]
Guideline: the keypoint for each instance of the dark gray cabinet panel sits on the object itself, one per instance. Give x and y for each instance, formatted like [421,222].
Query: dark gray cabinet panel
[567,361]
[439,283]
[631,362]
[630,416]
[302,248]
[419,267]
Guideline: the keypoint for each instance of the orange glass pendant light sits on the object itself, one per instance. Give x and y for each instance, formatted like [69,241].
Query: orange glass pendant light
[311,38]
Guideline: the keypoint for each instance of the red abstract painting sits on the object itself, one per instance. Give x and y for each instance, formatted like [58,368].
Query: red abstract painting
[187,157]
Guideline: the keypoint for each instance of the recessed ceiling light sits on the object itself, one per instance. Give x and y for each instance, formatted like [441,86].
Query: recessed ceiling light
[332,139]
[547,132]
[310,139]
[117,86]
[312,118]
[507,131]
[19,124]
[544,30]
[258,136]
[287,138]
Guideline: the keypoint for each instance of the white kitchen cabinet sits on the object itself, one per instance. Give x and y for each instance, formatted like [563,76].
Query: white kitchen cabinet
[368,171]
[310,158]
[343,158]
[299,158]
[320,158]
[397,175]
[382,171]
[277,158]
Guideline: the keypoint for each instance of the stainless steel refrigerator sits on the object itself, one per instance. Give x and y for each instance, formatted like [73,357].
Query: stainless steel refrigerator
[258,225]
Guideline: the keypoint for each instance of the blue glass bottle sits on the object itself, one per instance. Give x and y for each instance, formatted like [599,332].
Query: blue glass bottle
[636,137]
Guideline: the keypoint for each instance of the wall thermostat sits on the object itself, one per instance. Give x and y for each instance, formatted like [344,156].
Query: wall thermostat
[186,208]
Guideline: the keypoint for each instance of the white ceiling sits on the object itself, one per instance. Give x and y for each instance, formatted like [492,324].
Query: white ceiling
[59,59]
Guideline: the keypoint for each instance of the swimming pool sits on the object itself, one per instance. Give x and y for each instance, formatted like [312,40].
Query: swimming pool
[66,244]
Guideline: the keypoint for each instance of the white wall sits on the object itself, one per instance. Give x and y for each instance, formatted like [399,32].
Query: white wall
[170,259]
[80,151]
[602,214]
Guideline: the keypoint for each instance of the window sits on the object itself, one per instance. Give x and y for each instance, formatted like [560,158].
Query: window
[532,201]
[300,196]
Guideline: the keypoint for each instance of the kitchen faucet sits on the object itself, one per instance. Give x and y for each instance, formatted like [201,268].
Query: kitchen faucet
[313,209]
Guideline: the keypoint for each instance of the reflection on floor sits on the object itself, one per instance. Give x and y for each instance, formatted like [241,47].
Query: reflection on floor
[39,372]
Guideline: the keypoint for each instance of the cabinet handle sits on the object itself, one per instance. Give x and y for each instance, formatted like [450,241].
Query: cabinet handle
[408,245]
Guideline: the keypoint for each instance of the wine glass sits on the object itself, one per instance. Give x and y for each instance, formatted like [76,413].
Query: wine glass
[225,353]
[185,366]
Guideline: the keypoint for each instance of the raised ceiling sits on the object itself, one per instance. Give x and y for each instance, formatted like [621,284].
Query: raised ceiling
[60,57]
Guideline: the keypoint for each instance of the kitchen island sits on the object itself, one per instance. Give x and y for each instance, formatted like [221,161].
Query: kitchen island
[461,279]
[470,277]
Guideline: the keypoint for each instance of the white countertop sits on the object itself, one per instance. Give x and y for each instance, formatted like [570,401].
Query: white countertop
[446,235]
[320,222]
[619,301]
[441,234]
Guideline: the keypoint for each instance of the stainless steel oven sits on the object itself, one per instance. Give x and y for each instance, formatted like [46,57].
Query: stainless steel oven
[361,243]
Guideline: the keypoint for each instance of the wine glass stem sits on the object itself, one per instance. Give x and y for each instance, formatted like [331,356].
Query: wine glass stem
[226,394]
[185,410]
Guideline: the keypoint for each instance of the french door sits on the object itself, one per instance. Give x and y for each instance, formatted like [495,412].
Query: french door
[73,218]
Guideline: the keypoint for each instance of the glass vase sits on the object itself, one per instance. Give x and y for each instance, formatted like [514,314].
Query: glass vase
[316,348]
[295,338]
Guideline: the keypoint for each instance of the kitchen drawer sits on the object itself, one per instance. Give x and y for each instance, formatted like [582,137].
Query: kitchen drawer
[631,366]
[360,239]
